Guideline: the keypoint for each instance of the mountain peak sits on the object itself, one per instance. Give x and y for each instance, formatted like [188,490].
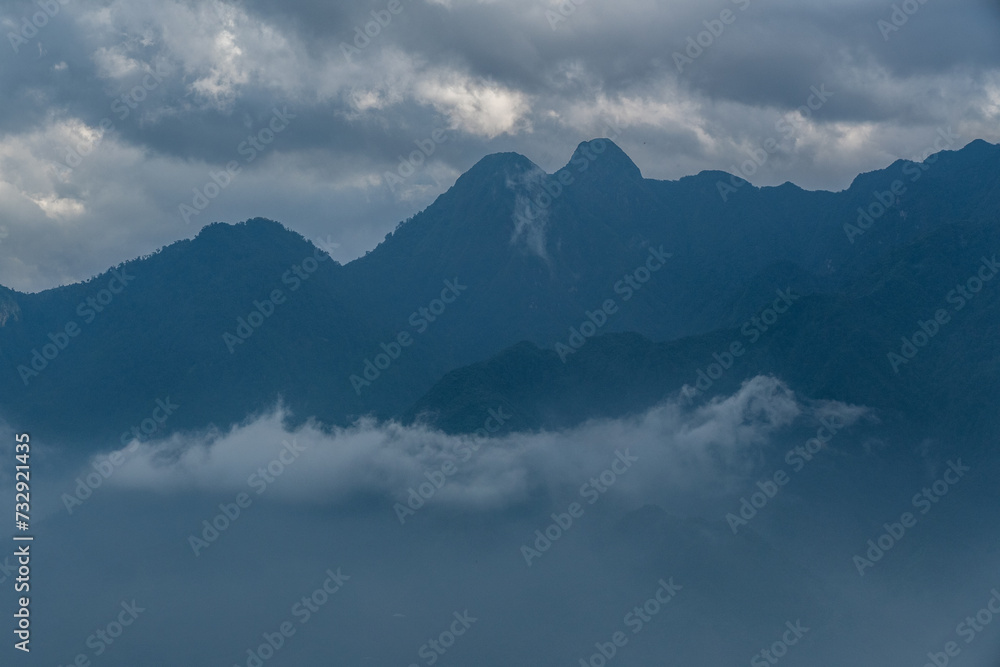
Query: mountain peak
[501,164]
[602,157]
[254,227]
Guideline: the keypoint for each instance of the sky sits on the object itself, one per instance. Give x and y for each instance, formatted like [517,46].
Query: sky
[126,126]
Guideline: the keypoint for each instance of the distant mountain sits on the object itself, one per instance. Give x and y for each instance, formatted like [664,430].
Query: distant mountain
[512,256]
[849,346]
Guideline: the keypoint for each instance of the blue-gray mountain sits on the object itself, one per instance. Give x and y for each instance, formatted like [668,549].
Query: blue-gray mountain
[588,292]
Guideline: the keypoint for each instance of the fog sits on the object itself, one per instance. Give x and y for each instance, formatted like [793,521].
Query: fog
[422,536]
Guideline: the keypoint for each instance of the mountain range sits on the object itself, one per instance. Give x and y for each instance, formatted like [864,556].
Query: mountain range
[590,292]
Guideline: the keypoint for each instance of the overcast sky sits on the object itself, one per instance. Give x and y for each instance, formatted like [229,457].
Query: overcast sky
[114,113]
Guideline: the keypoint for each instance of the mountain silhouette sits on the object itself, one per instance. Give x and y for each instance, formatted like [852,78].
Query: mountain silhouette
[472,300]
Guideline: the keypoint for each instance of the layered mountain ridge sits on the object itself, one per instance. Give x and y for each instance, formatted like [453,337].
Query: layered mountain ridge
[533,256]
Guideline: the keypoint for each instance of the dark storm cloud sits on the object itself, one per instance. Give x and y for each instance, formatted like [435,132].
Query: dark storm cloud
[496,76]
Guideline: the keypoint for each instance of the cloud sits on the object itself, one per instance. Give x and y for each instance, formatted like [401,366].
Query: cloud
[495,74]
[477,107]
[530,217]
[679,448]
[333,508]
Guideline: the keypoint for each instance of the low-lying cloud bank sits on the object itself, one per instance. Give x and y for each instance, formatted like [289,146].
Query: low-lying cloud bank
[686,450]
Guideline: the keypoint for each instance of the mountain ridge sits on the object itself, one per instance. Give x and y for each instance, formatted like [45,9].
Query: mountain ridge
[527,276]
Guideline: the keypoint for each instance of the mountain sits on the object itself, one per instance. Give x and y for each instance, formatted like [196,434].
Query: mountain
[505,265]
[936,298]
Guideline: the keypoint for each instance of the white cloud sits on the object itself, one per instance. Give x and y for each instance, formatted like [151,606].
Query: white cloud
[679,448]
[530,219]
[475,105]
